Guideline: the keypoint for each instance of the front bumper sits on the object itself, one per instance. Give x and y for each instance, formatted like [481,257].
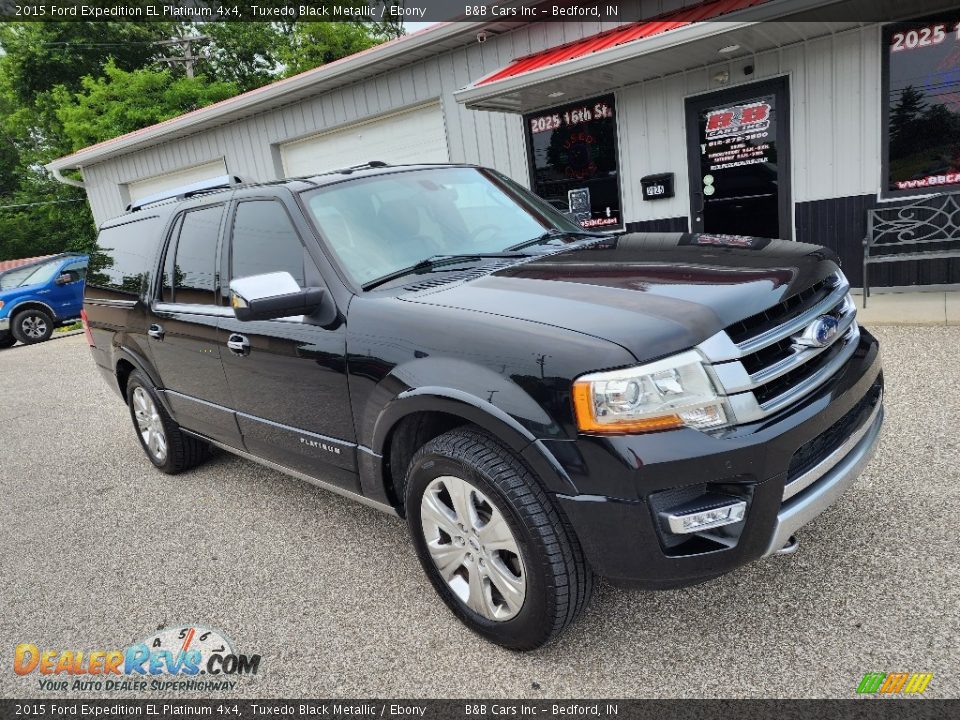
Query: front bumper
[620,479]
[4,325]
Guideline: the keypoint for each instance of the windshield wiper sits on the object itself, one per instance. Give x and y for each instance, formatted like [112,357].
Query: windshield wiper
[552,234]
[435,261]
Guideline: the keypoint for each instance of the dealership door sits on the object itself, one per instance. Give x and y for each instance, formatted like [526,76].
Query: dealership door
[410,136]
[738,147]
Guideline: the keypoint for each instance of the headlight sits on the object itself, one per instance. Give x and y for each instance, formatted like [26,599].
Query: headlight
[1,304]
[669,393]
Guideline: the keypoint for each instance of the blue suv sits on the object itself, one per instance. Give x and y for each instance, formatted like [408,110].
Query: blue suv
[36,298]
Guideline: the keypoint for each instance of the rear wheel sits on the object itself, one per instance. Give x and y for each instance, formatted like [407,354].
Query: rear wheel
[7,341]
[32,326]
[167,446]
[493,545]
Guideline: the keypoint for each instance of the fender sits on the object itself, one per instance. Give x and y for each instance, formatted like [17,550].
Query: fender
[27,302]
[472,409]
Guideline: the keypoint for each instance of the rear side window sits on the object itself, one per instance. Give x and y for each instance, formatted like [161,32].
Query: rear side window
[191,277]
[121,265]
[264,241]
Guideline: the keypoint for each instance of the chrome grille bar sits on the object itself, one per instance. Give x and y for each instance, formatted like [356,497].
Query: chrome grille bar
[734,375]
[746,399]
[746,408]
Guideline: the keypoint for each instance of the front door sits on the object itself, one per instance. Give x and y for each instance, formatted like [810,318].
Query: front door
[739,161]
[288,377]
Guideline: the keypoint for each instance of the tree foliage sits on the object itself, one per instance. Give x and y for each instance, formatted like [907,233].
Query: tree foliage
[66,85]
[102,109]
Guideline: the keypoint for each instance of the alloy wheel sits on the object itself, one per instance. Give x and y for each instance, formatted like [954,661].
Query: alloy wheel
[34,327]
[149,424]
[473,548]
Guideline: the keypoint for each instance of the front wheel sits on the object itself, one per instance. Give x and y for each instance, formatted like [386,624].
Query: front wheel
[32,326]
[492,543]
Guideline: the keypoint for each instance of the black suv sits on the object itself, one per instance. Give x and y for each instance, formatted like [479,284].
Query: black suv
[540,403]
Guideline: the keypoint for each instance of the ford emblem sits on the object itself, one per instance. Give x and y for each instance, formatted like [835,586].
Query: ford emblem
[819,333]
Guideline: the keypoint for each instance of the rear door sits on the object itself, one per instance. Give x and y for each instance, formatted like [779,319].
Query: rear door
[289,386]
[182,326]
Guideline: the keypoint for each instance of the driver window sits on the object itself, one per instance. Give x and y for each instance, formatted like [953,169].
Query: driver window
[265,241]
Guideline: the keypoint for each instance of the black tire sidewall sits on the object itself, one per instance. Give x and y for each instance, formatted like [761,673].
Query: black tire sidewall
[526,629]
[17,321]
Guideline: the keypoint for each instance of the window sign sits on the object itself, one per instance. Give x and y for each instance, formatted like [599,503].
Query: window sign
[922,96]
[574,160]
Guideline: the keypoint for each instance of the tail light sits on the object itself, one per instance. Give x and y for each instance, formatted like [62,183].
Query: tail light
[86,328]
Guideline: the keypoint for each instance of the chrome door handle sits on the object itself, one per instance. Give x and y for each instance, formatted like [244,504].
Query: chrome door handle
[238,344]
[155,331]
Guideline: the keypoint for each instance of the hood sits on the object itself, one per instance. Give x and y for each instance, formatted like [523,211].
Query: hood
[652,293]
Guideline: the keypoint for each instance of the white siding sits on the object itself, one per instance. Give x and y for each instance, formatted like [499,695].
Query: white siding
[834,121]
[834,91]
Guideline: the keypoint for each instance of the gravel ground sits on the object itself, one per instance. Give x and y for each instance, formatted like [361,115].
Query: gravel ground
[99,549]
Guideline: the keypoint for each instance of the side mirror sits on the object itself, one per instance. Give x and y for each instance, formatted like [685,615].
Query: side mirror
[271,296]
[63,279]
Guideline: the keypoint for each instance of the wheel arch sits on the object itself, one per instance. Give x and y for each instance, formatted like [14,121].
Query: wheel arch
[32,305]
[418,415]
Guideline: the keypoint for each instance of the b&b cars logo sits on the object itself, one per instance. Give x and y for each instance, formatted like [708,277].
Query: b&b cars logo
[738,120]
[178,658]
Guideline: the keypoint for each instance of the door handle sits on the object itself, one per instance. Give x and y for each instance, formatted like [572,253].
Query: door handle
[155,331]
[238,344]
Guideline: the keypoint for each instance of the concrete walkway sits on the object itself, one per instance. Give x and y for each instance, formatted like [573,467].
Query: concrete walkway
[910,308]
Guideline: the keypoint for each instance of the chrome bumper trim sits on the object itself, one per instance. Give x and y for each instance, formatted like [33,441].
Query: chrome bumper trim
[802,482]
[819,496]
[4,324]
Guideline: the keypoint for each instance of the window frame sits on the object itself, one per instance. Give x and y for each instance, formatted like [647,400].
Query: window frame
[886,193]
[226,266]
[172,243]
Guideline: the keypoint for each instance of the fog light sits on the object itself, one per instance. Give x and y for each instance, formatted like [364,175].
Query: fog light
[688,519]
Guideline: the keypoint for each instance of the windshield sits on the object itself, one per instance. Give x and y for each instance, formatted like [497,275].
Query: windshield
[31,275]
[382,224]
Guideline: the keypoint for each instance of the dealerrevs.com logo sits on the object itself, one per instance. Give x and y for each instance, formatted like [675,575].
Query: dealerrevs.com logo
[179,658]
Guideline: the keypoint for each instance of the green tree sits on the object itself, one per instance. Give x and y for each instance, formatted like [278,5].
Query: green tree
[119,102]
[40,56]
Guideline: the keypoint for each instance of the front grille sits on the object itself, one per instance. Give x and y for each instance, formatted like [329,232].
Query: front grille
[763,363]
[815,451]
[780,313]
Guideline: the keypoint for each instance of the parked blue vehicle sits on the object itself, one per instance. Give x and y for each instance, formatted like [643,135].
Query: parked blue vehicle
[39,297]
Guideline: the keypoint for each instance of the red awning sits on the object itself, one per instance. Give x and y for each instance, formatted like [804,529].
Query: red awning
[619,36]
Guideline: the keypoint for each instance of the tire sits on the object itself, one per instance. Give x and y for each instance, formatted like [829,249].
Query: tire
[165,444]
[32,326]
[7,341]
[519,589]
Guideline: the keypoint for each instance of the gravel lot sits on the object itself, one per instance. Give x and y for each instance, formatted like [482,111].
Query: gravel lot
[98,549]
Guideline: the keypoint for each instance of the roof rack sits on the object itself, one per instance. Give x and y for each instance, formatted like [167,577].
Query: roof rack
[214,184]
[362,166]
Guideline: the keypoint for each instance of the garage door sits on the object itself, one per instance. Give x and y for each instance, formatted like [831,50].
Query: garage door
[179,178]
[411,136]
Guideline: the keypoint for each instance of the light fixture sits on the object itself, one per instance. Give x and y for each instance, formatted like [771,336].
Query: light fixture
[722,77]
[705,514]
[727,49]
[556,94]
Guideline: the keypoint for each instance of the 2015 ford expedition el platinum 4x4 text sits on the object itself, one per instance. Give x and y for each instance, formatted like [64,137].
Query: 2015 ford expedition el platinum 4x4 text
[542,404]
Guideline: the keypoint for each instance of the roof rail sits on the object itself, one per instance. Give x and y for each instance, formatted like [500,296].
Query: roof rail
[363,166]
[222,182]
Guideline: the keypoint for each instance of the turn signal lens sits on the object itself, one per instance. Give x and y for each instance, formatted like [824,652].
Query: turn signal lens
[670,393]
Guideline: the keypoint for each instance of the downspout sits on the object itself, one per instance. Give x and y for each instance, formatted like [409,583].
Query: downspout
[65,180]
